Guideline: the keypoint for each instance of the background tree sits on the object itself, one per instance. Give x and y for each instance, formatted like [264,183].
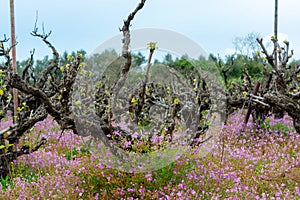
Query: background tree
[247,45]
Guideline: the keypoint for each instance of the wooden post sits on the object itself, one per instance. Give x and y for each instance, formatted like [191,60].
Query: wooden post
[14,60]
[276,31]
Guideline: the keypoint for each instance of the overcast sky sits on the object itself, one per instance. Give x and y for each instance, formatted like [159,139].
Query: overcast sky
[85,24]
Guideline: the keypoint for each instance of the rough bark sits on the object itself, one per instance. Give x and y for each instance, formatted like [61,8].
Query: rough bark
[277,95]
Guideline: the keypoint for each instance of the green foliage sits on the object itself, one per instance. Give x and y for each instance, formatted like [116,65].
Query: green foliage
[237,64]
[5,182]
[71,154]
[207,65]
[65,58]
[278,127]
[138,59]
[182,65]
[266,124]
[41,64]
[30,177]
[108,62]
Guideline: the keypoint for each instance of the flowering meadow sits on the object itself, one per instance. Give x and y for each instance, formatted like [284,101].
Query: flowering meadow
[247,162]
